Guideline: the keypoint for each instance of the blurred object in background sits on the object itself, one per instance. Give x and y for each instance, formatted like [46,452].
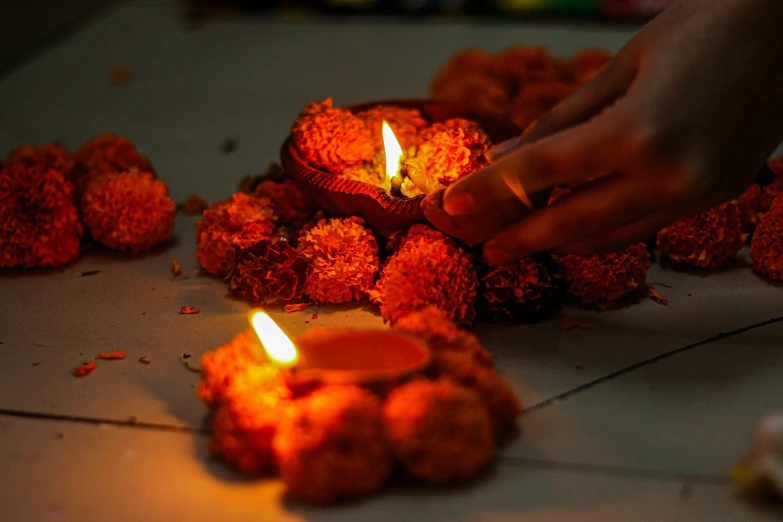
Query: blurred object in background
[521,82]
[522,8]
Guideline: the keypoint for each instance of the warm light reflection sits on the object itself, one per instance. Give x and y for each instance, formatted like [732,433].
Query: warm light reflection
[278,346]
[393,152]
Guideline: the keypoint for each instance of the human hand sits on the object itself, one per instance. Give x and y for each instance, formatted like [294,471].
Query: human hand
[677,122]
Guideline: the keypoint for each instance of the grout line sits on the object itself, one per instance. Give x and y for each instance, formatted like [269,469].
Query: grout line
[618,471]
[98,421]
[552,400]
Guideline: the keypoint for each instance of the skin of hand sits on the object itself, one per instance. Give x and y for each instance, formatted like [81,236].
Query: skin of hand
[679,121]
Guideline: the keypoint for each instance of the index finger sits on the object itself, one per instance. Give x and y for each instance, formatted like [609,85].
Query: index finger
[589,150]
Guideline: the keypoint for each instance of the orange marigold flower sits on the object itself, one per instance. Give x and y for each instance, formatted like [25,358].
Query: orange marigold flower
[400,238]
[707,240]
[604,279]
[526,290]
[39,224]
[440,431]
[246,420]
[331,445]
[222,367]
[129,212]
[106,154]
[469,126]
[343,254]
[290,200]
[766,247]
[449,155]
[521,64]
[465,79]
[270,273]
[458,355]
[428,272]
[230,226]
[331,138]
[53,156]
[406,123]
[372,172]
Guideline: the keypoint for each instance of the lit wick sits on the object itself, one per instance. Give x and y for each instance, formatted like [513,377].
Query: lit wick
[393,160]
[276,343]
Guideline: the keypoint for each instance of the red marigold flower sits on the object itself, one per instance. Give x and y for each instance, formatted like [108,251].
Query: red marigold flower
[707,240]
[106,154]
[406,124]
[332,446]
[39,224]
[246,420]
[290,199]
[604,279]
[343,254]
[331,138]
[452,154]
[229,226]
[270,273]
[766,247]
[525,290]
[53,156]
[428,272]
[131,211]
[439,430]
[458,355]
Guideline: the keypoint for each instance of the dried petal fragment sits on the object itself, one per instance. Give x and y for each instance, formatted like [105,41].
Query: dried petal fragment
[113,355]
[570,324]
[658,297]
[188,310]
[289,309]
[83,370]
[176,269]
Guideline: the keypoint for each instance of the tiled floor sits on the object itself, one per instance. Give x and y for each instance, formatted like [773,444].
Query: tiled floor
[638,420]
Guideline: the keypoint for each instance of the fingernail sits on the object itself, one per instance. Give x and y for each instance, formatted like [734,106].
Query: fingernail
[497,256]
[501,149]
[457,204]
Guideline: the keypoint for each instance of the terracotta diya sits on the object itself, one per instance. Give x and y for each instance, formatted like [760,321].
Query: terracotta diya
[370,358]
[384,212]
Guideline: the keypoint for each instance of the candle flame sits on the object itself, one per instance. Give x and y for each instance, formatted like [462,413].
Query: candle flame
[393,152]
[276,343]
